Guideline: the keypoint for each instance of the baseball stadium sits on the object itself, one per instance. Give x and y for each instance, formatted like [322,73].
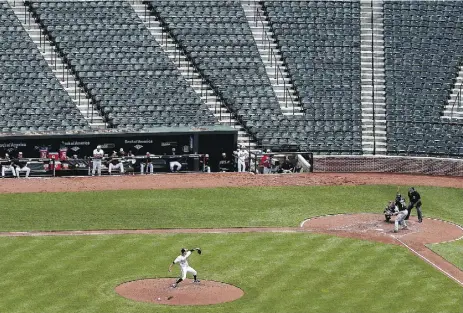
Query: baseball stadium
[231,156]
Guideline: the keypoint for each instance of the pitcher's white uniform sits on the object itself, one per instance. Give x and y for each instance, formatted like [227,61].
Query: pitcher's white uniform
[183,262]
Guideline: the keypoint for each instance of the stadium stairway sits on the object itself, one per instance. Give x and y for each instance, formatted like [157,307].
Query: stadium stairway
[454,108]
[61,71]
[188,70]
[372,77]
[271,57]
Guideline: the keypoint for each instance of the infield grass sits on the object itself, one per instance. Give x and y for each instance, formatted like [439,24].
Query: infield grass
[452,251]
[279,272]
[209,208]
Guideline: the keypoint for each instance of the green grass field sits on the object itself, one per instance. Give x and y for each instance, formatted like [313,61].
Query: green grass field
[452,251]
[279,272]
[197,208]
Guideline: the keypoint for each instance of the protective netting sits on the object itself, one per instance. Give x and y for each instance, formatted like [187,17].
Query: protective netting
[385,164]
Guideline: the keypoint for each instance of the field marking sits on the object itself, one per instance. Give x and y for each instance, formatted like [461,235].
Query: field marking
[429,261]
[155,231]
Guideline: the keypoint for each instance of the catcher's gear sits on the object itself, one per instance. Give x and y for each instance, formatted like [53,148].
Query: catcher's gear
[389,211]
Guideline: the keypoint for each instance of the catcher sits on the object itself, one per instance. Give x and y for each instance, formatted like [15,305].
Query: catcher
[185,268]
[389,211]
[394,207]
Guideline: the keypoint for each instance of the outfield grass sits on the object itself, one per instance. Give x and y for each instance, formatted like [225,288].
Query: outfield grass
[279,272]
[219,207]
[452,251]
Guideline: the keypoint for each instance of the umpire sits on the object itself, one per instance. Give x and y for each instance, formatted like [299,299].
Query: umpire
[415,201]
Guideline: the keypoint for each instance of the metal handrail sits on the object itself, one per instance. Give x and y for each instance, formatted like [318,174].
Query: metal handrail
[273,58]
[458,101]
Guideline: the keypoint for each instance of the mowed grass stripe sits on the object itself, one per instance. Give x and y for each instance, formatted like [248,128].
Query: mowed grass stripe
[280,272]
[198,208]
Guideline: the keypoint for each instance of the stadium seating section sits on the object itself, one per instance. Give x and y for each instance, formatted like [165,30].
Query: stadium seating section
[320,46]
[31,98]
[218,40]
[120,65]
[423,48]
[136,86]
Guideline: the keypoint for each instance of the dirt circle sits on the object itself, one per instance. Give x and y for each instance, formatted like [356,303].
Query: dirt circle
[187,293]
[374,227]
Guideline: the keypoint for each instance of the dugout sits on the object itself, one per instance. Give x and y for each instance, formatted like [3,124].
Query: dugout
[212,140]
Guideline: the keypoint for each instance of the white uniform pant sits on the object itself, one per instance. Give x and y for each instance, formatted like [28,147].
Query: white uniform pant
[8,168]
[23,169]
[400,220]
[118,166]
[175,164]
[186,270]
[96,166]
[267,170]
[149,167]
[241,166]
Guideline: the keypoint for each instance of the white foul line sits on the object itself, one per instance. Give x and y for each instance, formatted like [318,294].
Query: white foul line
[427,260]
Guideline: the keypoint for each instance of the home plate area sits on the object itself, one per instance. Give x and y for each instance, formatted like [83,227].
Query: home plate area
[374,227]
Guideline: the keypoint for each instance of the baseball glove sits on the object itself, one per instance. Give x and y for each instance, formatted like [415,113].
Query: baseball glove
[199,250]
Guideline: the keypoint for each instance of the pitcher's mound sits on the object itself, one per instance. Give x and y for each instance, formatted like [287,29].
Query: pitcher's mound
[187,292]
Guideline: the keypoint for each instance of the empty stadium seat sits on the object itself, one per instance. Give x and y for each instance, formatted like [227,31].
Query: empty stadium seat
[423,43]
[120,65]
[31,97]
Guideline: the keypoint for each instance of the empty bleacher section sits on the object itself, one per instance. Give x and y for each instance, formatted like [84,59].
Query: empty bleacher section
[423,47]
[120,65]
[217,38]
[31,98]
[320,45]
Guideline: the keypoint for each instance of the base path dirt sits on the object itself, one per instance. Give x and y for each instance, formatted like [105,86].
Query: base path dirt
[209,180]
[415,237]
[186,293]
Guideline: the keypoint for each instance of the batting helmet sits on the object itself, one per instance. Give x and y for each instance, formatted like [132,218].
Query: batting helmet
[183,250]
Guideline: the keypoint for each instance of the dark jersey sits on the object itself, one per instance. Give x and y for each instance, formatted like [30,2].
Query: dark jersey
[287,165]
[6,162]
[20,162]
[224,165]
[114,160]
[400,203]
[147,160]
[414,196]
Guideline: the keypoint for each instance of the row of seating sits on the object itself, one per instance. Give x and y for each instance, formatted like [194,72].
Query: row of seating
[31,97]
[225,53]
[422,52]
[320,46]
[133,58]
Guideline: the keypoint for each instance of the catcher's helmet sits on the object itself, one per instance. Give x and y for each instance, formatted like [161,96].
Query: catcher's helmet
[183,250]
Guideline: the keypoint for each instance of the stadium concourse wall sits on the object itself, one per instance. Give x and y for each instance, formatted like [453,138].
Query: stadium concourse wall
[389,164]
[212,140]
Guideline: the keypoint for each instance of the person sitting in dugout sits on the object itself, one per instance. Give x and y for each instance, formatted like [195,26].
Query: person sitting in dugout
[115,162]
